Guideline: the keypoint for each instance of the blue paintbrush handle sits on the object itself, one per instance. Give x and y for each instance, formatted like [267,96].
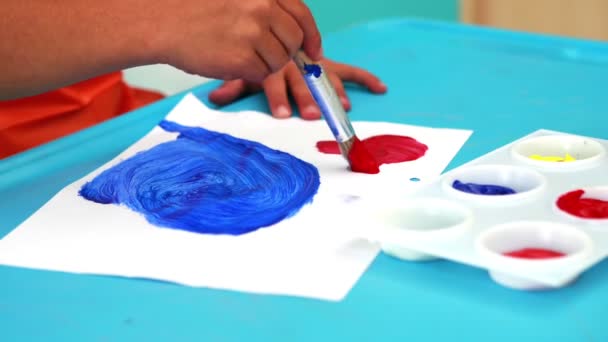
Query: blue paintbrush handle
[326,98]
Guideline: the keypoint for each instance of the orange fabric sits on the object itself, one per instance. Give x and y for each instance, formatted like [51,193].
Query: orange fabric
[29,122]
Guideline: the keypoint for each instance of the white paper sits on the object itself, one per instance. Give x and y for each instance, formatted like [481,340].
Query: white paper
[311,254]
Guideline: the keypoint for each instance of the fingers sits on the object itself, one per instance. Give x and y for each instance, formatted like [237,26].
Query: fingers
[272,51]
[257,68]
[299,91]
[281,42]
[287,31]
[276,92]
[360,76]
[228,92]
[302,15]
[339,87]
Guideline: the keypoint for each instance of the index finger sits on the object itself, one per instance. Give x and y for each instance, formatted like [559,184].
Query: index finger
[363,77]
[303,16]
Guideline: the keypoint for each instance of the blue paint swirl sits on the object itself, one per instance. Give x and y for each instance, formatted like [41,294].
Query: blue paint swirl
[313,69]
[208,182]
[482,189]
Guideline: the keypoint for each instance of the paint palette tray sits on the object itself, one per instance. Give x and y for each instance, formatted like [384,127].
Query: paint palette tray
[534,213]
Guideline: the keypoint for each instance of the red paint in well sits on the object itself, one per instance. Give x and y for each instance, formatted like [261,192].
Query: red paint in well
[589,208]
[534,253]
[378,150]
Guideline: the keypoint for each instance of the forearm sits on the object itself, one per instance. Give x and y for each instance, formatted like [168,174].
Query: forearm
[46,44]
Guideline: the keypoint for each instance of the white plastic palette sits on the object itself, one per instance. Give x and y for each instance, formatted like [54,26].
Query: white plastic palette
[439,221]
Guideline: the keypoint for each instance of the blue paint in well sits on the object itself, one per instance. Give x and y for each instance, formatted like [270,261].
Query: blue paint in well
[313,69]
[482,189]
[414,179]
[208,182]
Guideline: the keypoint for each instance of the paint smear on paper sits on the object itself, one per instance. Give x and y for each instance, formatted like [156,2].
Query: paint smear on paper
[313,69]
[482,189]
[361,159]
[534,253]
[385,149]
[208,182]
[589,208]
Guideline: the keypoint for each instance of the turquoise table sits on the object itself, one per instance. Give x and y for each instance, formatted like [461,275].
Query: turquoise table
[502,85]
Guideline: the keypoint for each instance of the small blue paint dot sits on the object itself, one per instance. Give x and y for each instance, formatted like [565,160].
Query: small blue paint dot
[312,69]
[415,179]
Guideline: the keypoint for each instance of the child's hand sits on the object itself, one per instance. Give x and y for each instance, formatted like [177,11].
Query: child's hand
[234,39]
[289,80]
[220,39]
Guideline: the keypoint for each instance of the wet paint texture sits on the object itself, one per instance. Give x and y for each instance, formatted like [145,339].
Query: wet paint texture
[482,189]
[384,149]
[567,158]
[589,208]
[534,253]
[361,159]
[313,69]
[208,182]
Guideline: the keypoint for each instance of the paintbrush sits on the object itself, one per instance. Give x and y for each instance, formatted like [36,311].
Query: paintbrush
[324,93]
[327,99]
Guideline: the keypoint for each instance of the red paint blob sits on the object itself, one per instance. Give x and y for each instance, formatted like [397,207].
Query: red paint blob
[589,208]
[534,253]
[361,159]
[367,155]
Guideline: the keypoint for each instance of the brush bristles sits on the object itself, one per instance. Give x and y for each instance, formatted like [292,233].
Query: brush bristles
[345,147]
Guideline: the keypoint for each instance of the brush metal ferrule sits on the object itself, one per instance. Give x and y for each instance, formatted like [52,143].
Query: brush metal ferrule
[345,147]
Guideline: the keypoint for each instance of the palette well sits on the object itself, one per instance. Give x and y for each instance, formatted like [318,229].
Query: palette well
[533,213]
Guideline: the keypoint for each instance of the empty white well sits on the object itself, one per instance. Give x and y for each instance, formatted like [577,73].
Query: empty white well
[399,225]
